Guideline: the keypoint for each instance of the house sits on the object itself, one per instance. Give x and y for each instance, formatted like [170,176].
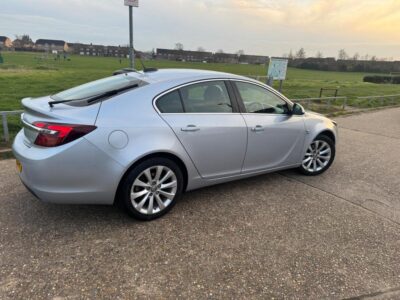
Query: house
[184,55]
[253,59]
[226,58]
[98,50]
[5,42]
[51,45]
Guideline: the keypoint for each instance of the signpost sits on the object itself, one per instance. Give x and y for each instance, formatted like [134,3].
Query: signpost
[277,70]
[131,4]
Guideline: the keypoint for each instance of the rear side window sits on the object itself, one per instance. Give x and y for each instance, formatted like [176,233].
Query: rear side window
[170,103]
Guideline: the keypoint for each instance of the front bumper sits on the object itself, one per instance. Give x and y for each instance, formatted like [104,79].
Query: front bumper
[75,173]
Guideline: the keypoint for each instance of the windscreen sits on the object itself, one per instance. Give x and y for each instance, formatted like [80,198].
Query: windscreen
[99,87]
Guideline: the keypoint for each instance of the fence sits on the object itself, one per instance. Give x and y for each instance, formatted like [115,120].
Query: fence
[4,114]
[327,102]
[372,101]
[322,104]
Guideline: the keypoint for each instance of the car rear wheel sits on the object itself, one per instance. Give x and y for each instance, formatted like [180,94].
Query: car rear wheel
[151,189]
[319,156]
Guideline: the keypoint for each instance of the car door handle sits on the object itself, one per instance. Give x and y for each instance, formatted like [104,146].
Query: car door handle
[190,128]
[258,128]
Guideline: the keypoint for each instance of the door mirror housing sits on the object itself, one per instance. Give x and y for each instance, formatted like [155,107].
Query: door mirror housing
[297,109]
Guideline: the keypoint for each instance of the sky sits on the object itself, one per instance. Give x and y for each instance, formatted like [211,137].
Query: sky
[264,27]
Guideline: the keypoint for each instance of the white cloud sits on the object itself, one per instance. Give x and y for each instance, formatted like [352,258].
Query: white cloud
[269,27]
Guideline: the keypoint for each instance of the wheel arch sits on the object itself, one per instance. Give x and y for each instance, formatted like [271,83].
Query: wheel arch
[327,133]
[161,154]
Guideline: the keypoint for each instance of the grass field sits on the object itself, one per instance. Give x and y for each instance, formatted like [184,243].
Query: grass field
[30,75]
[26,75]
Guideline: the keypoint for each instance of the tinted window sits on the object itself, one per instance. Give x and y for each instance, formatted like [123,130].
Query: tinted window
[206,97]
[170,103]
[259,100]
[98,87]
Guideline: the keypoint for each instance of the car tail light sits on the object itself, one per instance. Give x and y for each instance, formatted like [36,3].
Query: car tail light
[54,134]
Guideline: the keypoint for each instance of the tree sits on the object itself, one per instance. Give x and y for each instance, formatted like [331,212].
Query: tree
[342,54]
[374,58]
[201,49]
[356,56]
[290,55]
[301,53]
[179,46]
[220,51]
[25,40]
[319,55]
[240,52]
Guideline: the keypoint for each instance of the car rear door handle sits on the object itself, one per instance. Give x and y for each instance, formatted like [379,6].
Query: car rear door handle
[258,128]
[190,128]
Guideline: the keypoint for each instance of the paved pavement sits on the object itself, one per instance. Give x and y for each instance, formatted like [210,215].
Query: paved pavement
[276,236]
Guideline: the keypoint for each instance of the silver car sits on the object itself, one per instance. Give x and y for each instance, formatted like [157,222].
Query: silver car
[143,138]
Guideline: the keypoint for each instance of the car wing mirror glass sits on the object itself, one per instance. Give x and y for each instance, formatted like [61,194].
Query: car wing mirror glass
[297,109]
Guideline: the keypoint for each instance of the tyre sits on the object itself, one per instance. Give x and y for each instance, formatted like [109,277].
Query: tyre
[319,156]
[152,188]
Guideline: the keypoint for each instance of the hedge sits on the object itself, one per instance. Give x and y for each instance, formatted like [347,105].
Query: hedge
[382,79]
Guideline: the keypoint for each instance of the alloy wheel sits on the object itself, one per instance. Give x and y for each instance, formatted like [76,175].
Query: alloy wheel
[153,190]
[318,156]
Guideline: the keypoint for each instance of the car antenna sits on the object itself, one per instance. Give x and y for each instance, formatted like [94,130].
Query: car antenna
[145,70]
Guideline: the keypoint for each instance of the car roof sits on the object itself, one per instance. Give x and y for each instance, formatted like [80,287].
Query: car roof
[179,75]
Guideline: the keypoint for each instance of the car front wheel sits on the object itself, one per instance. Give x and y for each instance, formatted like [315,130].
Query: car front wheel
[319,156]
[151,189]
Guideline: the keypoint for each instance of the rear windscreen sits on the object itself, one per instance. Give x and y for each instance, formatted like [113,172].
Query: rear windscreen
[99,87]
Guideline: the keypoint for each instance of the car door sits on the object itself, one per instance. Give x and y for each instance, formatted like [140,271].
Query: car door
[275,137]
[209,126]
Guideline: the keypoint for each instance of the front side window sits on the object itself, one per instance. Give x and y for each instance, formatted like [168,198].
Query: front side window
[259,100]
[206,97]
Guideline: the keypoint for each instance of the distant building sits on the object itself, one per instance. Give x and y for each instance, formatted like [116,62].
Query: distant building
[51,45]
[5,42]
[226,58]
[98,50]
[184,55]
[253,59]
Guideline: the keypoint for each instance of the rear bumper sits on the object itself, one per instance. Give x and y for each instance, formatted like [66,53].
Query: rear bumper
[75,173]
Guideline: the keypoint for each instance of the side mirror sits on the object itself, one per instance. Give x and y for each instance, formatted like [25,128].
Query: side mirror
[297,109]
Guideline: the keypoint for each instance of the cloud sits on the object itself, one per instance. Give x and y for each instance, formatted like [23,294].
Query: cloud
[269,27]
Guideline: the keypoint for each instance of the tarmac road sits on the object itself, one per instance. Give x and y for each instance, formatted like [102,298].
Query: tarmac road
[280,235]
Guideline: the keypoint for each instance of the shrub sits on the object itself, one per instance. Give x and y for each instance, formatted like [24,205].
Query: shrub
[382,79]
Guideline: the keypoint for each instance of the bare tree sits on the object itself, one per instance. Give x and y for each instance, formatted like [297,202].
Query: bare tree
[301,53]
[356,56]
[179,46]
[374,58]
[201,49]
[220,51]
[25,39]
[240,52]
[290,55]
[342,54]
[319,55]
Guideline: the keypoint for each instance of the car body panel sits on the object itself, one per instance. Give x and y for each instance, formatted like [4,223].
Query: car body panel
[217,147]
[273,141]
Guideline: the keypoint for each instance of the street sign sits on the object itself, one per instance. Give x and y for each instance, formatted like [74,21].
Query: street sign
[278,68]
[134,3]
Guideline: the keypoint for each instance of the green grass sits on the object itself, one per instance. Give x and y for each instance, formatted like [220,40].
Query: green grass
[31,75]
[26,75]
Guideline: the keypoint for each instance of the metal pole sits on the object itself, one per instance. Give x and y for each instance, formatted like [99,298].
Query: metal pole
[280,85]
[5,127]
[131,50]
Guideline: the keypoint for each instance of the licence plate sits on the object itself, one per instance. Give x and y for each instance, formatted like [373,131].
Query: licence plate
[19,166]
